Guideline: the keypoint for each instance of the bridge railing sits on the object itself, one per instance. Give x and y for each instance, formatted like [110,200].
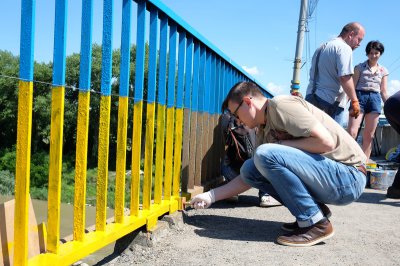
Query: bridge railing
[188,78]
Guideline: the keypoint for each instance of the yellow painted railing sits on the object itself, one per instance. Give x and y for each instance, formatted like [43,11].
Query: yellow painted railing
[174,125]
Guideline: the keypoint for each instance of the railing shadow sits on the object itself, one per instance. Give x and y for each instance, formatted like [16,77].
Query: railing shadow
[234,228]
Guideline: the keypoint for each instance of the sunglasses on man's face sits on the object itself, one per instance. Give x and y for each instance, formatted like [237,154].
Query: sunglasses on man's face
[236,110]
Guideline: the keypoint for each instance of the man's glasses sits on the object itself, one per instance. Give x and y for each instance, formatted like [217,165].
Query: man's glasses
[237,108]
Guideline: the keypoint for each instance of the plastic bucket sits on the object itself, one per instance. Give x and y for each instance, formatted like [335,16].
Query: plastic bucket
[382,179]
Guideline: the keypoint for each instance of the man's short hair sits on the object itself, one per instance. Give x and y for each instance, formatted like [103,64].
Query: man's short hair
[240,90]
[349,27]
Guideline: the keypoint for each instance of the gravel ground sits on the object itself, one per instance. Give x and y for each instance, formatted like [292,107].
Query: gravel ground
[366,233]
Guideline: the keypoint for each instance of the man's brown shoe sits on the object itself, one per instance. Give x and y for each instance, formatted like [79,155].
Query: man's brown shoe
[308,236]
[290,227]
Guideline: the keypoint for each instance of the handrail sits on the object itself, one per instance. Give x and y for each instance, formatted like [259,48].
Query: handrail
[187,80]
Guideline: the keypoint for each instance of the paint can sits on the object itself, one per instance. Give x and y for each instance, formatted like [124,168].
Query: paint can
[381,179]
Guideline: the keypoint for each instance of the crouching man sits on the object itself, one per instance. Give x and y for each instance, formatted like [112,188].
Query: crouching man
[305,160]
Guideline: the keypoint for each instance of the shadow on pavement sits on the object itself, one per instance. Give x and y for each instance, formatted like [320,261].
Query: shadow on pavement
[233,228]
[377,198]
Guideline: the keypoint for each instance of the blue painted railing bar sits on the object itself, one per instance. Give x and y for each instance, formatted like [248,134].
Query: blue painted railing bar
[86,45]
[140,49]
[106,65]
[125,48]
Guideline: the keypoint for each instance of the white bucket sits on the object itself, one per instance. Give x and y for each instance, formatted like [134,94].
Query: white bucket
[382,179]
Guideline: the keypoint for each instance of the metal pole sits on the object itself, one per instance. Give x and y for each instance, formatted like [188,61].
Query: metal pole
[299,47]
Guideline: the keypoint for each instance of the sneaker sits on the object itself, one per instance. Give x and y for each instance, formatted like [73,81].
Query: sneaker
[290,227]
[268,201]
[308,236]
[393,193]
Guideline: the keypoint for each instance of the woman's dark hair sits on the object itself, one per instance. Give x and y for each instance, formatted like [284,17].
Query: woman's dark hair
[376,45]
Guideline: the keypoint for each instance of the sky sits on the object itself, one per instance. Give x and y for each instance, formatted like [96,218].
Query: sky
[259,35]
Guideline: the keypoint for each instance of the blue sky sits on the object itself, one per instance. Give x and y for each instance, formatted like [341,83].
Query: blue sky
[259,35]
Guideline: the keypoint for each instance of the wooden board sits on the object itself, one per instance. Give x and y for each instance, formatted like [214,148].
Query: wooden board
[35,237]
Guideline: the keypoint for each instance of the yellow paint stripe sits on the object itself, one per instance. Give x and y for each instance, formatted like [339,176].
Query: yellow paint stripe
[178,152]
[55,167]
[148,156]
[160,142]
[80,165]
[102,169]
[169,142]
[136,150]
[73,251]
[121,159]
[22,171]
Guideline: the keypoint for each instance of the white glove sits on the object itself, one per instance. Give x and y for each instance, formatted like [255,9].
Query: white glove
[203,200]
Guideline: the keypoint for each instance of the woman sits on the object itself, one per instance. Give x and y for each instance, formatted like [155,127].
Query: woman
[370,81]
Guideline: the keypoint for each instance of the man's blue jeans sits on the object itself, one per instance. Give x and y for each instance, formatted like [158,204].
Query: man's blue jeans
[301,179]
[229,173]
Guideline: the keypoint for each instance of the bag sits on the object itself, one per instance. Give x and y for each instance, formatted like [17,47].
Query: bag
[330,109]
[312,98]
[237,138]
[393,154]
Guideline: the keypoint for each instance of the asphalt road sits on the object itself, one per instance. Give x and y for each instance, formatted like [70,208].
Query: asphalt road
[367,232]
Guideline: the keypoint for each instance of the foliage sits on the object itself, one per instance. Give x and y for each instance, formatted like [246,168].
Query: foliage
[9,66]
[8,160]
[7,182]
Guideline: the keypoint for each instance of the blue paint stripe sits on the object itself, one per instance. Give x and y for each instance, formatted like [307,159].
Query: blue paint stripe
[224,82]
[228,77]
[221,80]
[207,78]
[201,78]
[188,71]
[195,90]
[86,45]
[162,75]
[181,69]
[151,94]
[125,48]
[172,64]
[26,39]
[106,64]
[214,85]
[140,50]
[218,81]
[60,38]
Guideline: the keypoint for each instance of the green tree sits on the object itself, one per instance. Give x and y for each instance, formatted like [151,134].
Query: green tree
[9,67]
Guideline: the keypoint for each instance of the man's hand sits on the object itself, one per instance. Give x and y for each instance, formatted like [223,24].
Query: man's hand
[296,93]
[203,200]
[281,135]
[355,106]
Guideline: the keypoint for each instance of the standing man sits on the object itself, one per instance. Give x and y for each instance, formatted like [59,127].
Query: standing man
[331,73]
[306,161]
